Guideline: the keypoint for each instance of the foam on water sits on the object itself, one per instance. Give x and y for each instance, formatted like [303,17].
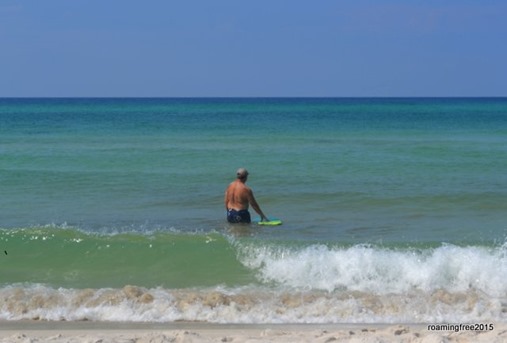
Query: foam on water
[377,270]
[245,305]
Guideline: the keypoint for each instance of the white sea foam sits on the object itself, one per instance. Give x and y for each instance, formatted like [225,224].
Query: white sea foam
[245,305]
[378,270]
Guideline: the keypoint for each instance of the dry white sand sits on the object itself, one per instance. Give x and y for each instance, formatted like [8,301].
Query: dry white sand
[85,332]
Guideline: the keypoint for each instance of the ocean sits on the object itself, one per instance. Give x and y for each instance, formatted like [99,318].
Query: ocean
[394,210]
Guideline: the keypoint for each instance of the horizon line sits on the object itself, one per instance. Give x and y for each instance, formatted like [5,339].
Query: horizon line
[257,97]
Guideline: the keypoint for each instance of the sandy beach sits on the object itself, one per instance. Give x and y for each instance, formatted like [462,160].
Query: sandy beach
[87,332]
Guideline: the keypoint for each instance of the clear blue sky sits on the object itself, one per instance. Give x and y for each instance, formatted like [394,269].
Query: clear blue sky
[253,48]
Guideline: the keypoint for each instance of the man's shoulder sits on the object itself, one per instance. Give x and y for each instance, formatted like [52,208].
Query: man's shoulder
[238,185]
[248,189]
[243,187]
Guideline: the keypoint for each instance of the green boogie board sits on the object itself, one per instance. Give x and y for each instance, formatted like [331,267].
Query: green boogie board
[271,222]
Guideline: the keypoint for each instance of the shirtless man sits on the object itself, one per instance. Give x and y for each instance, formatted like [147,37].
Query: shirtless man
[237,198]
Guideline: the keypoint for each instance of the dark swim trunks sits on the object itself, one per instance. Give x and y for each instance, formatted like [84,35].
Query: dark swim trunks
[242,216]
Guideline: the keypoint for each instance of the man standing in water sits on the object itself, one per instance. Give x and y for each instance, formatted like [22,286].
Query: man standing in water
[237,198]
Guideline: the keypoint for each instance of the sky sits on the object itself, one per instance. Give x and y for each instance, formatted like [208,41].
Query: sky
[235,48]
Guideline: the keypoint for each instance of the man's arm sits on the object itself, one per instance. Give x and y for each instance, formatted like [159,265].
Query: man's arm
[256,206]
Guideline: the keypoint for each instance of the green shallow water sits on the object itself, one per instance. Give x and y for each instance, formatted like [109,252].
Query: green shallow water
[66,257]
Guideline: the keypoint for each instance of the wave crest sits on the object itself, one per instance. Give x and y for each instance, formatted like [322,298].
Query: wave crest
[379,270]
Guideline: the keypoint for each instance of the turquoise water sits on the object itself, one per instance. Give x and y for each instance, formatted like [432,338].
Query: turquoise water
[386,199]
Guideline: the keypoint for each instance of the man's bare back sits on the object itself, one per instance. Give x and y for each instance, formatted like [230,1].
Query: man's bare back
[238,196]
